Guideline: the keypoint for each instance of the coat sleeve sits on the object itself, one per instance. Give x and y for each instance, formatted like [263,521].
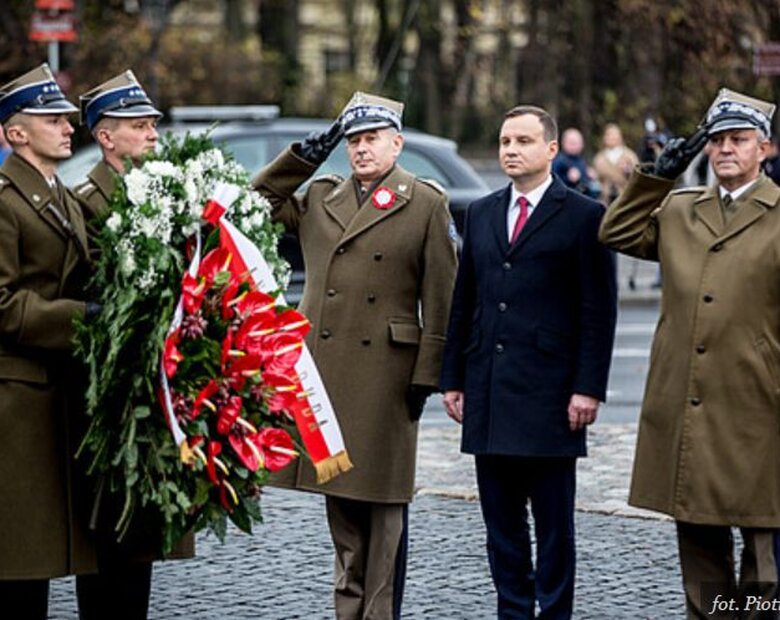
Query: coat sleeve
[462,310]
[26,318]
[629,225]
[439,266]
[597,311]
[278,182]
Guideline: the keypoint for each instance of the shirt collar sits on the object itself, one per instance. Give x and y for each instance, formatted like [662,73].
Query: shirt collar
[735,194]
[534,197]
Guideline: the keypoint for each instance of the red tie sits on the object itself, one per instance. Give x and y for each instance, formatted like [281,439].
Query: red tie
[521,220]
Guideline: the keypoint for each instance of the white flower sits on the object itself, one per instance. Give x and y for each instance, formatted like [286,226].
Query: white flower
[114,222]
[162,169]
[137,184]
[127,264]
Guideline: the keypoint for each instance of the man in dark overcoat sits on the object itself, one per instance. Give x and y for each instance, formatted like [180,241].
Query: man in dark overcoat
[123,121]
[379,249]
[526,362]
[708,448]
[43,260]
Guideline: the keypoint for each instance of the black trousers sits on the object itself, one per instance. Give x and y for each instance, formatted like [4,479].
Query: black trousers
[24,599]
[120,591]
[507,484]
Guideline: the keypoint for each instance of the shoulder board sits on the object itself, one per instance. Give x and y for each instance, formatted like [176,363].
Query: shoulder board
[85,188]
[433,184]
[696,189]
[3,182]
[333,179]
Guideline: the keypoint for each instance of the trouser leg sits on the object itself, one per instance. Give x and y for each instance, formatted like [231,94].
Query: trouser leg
[552,505]
[386,562]
[24,599]
[707,566]
[758,581]
[503,496]
[349,526]
[120,590]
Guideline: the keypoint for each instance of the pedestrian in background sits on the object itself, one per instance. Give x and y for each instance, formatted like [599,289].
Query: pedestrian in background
[771,165]
[379,249]
[708,450]
[123,121]
[571,167]
[526,362]
[613,163]
[43,260]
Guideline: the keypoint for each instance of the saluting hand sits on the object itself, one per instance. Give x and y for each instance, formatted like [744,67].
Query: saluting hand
[678,154]
[582,411]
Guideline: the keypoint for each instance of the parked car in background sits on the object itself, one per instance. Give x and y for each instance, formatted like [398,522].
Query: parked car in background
[256,134]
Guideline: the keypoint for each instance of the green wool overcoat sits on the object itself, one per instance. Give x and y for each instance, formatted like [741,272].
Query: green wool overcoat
[708,449]
[143,541]
[42,270]
[378,291]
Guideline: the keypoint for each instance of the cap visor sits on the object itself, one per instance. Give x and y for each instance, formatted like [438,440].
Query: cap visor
[728,125]
[135,111]
[368,126]
[60,106]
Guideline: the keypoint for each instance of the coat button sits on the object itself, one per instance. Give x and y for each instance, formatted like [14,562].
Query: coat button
[365,342]
[707,299]
[700,348]
[325,334]
[717,247]
[695,401]
[331,292]
[506,266]
[499,348]
[371,298]
[502,307]
[341,250]
[378,256]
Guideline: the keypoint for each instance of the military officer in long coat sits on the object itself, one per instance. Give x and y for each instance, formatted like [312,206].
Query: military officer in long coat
[380,265]
[42,267]
[708,450]
[123,121]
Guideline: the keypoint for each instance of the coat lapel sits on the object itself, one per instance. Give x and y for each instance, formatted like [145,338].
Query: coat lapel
[341,203]
[551,204]
[400,182]
[498,215]
[707,209]
[765,196]
[104,179]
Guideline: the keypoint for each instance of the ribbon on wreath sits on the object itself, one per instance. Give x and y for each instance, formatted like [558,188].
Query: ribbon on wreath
[310,407]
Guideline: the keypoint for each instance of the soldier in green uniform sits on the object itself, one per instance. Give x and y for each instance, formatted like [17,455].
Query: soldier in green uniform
[123,121]
[708,449]
[380,257]
[43,261]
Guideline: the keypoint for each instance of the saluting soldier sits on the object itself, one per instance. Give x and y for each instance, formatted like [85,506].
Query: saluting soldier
[379,249]
[708,450]
[42,269]
[123,121]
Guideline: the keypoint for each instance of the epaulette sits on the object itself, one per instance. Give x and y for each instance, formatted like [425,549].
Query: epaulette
[433,184]
[85,188]
[693,189]
[334,179]
[3,183]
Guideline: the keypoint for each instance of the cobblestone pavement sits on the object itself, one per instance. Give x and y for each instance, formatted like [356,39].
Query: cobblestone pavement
[627,565]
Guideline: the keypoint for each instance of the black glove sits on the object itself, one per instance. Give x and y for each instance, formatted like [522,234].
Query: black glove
[92,310]
[416,396]
[316,147]
[678,153]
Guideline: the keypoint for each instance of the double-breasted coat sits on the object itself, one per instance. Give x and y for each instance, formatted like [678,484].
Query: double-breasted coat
[532,323]
[143,541]
[42,258]
[377,292]
[708,449]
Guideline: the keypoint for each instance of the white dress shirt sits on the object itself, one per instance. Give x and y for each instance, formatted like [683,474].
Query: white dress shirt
[737,192]
[534,197]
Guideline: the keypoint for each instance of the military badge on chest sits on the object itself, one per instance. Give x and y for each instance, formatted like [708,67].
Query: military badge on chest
[383,198]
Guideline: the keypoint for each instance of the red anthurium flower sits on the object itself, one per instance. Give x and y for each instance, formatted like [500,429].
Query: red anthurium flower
[280,391]
[228,415]
[254,302]
[193,291]
[229,299]
[293,322]
[171,354]
[212,387]
[241,368]
[282,351]
[247,450]
[214,448]
[213,263]
[253,331]
[277,447]
[227,347]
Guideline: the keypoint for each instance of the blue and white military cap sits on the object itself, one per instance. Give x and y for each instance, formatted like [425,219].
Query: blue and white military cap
[733,110]
[35,92]
[366,112]
[120,97]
